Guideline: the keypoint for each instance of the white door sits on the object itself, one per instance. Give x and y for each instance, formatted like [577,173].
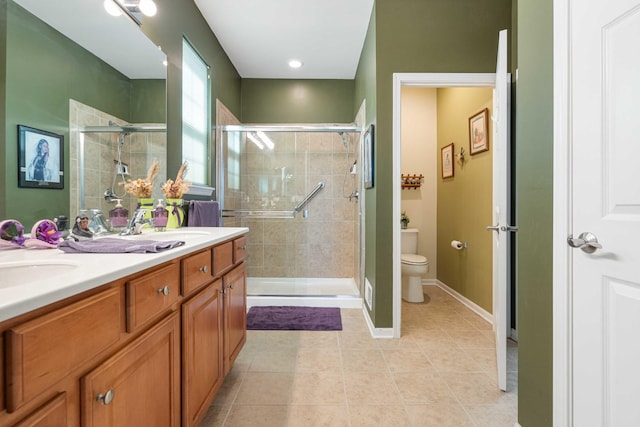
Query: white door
[501,227]
[603,137]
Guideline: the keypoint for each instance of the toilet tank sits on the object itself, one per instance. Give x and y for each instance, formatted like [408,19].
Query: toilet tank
[409,241]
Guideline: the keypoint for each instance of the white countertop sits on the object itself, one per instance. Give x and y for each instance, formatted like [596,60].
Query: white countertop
[91,270]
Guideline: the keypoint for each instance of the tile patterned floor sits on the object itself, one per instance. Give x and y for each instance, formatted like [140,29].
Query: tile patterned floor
[440,373]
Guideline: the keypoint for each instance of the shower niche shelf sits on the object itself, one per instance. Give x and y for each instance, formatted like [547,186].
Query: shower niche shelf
[412,181]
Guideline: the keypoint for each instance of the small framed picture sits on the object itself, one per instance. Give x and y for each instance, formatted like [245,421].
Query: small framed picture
[40,158]
[446,157]
[479,132]
[368,169]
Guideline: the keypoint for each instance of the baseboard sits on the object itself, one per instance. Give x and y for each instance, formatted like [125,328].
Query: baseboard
[464,300]
[379,333]
[307,301]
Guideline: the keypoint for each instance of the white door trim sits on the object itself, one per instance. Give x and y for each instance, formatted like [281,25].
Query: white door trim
[562,411]
[424,80]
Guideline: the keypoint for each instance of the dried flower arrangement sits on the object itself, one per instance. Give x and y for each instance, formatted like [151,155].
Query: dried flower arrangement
[176,189]
[142,188]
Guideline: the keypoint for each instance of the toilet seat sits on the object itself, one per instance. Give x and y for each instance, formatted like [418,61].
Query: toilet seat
[413,259]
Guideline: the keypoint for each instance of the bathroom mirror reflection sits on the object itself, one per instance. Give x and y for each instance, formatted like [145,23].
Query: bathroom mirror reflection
[96,70]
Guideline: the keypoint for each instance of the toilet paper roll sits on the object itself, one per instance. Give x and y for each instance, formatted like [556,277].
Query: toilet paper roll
[456,244]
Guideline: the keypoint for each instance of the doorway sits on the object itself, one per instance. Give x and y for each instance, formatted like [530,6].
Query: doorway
[401,80]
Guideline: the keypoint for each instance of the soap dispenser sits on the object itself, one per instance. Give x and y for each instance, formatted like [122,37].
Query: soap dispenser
[119,215]
[160,216]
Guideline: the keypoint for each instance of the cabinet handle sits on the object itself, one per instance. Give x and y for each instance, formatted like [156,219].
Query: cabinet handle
[164,291]
[204,269]
[230,286]
[107,397]
[243,248]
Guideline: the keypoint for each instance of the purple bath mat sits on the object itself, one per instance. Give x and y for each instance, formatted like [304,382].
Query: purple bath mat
[285,318]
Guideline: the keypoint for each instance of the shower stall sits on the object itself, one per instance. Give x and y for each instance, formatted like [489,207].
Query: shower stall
[297,190]
[106,152]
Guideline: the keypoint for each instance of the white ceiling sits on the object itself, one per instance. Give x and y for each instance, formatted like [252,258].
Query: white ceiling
[261,36]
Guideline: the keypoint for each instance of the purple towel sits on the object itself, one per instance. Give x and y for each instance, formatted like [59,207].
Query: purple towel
[118,246]
[203,214]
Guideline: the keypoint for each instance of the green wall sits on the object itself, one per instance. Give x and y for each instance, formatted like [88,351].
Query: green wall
[3,110]
[465,200]
[534,182]
[297,101]
[420,36]
[365,90]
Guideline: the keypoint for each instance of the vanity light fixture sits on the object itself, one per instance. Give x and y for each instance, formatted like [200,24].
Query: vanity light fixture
[148,7]
[295,63]
[134,8]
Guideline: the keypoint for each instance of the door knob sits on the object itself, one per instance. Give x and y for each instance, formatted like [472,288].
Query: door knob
[106,398]
[586,241]
[493,228]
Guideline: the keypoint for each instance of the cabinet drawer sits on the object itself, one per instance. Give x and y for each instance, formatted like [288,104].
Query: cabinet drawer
[44,350]
[239,249]
[52,413]
[151,294]
[196,271]
[222,257]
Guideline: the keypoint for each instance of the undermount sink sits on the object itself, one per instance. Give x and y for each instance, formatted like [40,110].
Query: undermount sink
[17,273]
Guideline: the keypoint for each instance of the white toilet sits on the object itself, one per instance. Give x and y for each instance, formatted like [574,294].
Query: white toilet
[414,266]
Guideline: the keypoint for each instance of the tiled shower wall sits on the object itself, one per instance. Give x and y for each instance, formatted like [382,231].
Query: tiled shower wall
[324,244]
[101,151]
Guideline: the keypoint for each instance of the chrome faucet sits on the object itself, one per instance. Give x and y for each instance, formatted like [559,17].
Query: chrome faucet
[136,223]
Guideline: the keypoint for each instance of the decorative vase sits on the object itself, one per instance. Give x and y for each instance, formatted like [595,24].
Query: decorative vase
[146,204]
[176,213]
[403,225]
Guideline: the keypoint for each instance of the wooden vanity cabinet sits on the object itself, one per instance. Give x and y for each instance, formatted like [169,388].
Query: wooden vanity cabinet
[151,349]
[139,385]
[235,314]
[202,343]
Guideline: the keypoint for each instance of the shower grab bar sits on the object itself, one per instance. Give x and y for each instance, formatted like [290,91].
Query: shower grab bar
[310,196]
[250,213]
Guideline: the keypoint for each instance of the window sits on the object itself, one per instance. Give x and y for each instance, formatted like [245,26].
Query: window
[195,114]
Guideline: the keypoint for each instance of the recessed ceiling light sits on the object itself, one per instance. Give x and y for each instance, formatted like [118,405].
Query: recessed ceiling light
[295,63]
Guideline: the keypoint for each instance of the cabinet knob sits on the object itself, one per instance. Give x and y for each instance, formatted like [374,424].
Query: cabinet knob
[164,291]
[107,397]
[230,286]
[204,269]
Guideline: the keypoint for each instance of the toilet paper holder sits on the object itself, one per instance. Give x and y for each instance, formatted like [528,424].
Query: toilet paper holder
[458,245]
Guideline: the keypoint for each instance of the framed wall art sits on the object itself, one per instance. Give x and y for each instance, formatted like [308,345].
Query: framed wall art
[446,158]
[40,158]
[368,161]
[479,132]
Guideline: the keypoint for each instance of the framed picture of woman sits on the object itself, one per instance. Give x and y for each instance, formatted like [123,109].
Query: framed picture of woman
[40,158]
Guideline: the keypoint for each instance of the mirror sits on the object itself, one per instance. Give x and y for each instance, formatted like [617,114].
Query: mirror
[133,91]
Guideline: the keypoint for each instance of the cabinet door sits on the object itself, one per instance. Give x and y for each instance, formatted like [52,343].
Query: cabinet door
[235,314]
[202,343]
[139,385]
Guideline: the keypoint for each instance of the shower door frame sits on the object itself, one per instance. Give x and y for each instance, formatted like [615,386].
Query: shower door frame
[315,128]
